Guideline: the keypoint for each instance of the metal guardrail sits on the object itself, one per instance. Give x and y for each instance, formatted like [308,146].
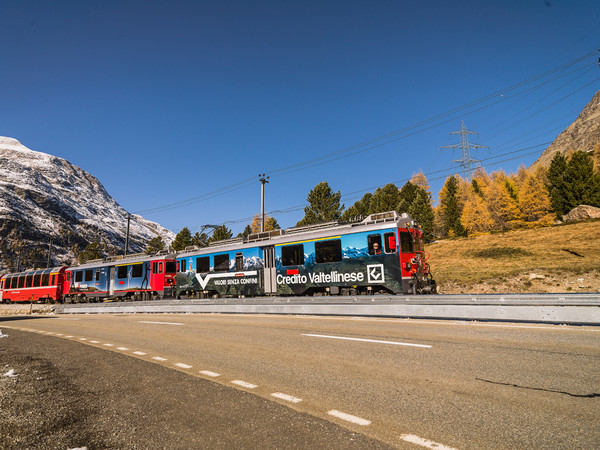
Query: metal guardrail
[581,309]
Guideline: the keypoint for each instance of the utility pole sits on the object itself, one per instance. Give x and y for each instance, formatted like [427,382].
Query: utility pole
[466,162]
[127,238]
[262,180]
[49,253]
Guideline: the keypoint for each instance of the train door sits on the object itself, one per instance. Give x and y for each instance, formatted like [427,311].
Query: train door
[2,281]
[270,272]
[111,282]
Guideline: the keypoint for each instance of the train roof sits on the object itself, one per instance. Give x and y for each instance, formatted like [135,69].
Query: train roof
[36,271]
[373,222]
[123,260]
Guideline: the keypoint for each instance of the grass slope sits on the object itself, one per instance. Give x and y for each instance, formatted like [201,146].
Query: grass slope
[563,258]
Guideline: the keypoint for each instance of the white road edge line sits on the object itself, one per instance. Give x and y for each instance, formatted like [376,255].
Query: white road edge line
[208,373]
[159,358]
[424,442]
[287,398]
[349,418]
[367,340]
[183,366]
[160,323]
[244,384]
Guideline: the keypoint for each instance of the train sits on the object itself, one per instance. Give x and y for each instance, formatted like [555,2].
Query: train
[380,254]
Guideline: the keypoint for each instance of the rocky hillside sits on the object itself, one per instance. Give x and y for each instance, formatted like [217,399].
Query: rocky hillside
[44,198]
[583,134]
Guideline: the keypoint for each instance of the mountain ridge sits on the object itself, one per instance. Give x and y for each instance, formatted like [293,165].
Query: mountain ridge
[44,197]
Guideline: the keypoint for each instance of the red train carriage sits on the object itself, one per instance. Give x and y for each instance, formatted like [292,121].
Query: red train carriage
[42,285]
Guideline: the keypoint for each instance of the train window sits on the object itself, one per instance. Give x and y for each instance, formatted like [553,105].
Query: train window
[122,272]
[407,244]
[15,283]
[183,265]
[89,275]
[170,267]
[137,270]
[97,274]
[374,244]
[21,281]
[222,262]
[78,276]
[154,268]
[389,240]
[292,255]
[1,284]
[45,279]
[328,251]
[53,280]
[239,261]
[203,264]
[36,280]
[29,281]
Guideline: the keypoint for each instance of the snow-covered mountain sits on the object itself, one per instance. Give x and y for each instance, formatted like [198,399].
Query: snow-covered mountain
[43,198]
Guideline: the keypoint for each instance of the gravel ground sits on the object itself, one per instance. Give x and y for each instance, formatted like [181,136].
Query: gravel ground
[56,393]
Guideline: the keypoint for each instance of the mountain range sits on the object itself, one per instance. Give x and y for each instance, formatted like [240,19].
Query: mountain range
[46,199]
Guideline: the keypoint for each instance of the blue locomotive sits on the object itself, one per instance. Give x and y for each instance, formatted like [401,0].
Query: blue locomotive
[381,254]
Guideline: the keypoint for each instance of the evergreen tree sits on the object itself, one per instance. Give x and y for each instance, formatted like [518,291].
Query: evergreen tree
[323,205]
[557,186]
[155,245]
[221,233]
[92,251]
[407,196]
[247,232]
[419,179]
[583,182]
[449,209]
[361,207]
[422,211]
[199,239]
[182,240]
[385,199]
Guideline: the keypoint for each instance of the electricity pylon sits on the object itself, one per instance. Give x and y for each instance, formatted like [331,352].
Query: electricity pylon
[466,162]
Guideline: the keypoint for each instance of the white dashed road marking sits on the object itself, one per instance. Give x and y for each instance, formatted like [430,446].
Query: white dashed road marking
[160,323]
[139,353]
[208,373]
[349,418]
[108,345]
[158,358]
[368,340]
[95,342]
[122,348]
[287,398]
[424,442]
[183,366]
[244,384]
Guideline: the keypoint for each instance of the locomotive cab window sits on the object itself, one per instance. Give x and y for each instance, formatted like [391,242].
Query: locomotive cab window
[389,241]
[170,267]
[375,244]
[407,244]
[328,251]
[203,264]
[292,255]
[222,262]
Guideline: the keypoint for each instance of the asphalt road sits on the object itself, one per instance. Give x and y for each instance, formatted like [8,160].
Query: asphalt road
[399,382]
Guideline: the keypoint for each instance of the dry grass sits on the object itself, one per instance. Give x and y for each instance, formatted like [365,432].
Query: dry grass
[553,259]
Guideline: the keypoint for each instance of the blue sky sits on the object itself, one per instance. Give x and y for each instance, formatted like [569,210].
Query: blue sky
[188,101]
